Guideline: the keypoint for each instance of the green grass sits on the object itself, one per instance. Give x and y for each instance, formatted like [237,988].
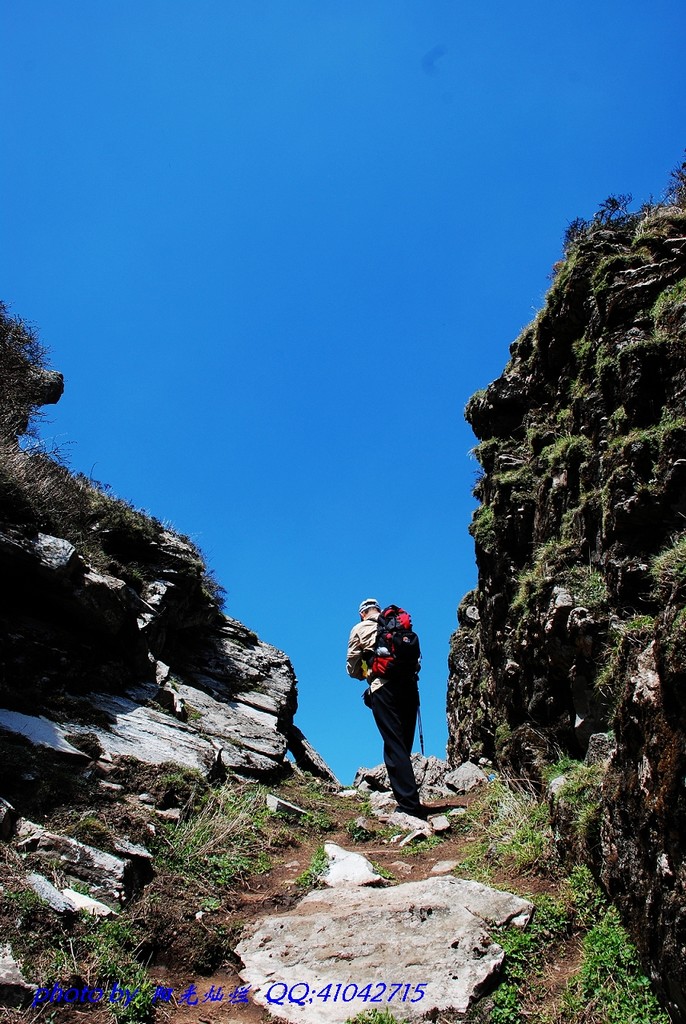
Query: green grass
[483,528]
[611,987]
[112,945]
[375,1017]
[525,955]
[668,569]
[587,585]
[223,841]
[510,830]
[318,866]
[667,301]
[570,449]
[581,794]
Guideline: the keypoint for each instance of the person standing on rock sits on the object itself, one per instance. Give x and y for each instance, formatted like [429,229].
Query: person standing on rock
[394,704]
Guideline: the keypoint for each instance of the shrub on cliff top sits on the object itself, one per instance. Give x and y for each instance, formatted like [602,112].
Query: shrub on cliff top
[22,357]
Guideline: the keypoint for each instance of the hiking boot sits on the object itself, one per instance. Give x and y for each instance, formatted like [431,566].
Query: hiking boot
[418,812]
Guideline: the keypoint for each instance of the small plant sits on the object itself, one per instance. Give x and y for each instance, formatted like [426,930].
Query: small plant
[669,569]
[533,582]
[112,946]
[570,449]
[667,302]
[210,903]
[587,586]
[675,194]
[91,831]
[358,832]
[318,821]
[574,232]
[510,828]
[375,1017]
[588,900]
[614,209]
[483,529]
[319,865]
[581,794]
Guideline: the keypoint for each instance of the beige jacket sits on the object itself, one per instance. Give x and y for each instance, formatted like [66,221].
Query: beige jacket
[361,648]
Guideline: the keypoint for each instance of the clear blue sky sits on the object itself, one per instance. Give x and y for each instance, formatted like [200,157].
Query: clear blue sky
[275,246]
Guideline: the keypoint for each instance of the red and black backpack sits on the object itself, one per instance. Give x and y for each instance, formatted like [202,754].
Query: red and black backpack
[396,652]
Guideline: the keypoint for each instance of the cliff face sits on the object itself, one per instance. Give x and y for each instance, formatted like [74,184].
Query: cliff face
[578,623]
[112,639]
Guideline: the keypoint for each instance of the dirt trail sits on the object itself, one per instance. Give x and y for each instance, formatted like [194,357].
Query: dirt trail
[278,890]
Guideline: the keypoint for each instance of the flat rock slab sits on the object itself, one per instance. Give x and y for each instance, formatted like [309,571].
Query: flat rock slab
[41,731]
[432,933]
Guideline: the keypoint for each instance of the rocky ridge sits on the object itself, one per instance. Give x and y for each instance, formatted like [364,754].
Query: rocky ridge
[577,625]
[113,640]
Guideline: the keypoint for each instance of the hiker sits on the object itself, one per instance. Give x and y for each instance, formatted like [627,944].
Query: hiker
[394,702]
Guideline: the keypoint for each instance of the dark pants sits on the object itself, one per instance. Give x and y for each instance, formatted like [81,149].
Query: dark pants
[395,712]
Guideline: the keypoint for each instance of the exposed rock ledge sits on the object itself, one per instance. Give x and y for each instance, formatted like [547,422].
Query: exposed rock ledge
[91,665]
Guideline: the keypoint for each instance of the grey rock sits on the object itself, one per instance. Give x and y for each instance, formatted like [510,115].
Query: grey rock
[164,696]
[42,732]
[132,850]
[162,673]
[430,774]
[465,778]
[14,989]
[444,867]
[44,889]
[93,907]
[600,748]
[56,554]
[555,785]
[645,680]
[236,725]
[433,932]
[375,778]
[400,867]
[439,823]
[169,814]
[50,558]
[8,819]
[408,821]
[471,615]
[415,836]
[307,758]
[381,802]
[106,874]
[148,735]
[348,869]
[279,806]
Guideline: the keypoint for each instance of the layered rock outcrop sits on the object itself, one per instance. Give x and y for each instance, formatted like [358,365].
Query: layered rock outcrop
[579,620]
[112,638]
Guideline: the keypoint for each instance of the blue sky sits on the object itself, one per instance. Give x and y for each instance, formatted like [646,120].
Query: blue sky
[275,245]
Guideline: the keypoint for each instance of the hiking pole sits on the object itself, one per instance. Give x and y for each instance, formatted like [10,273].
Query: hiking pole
[421,734]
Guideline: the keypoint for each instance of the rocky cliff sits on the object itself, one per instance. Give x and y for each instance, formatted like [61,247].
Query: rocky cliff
[578,623]
[112,638]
